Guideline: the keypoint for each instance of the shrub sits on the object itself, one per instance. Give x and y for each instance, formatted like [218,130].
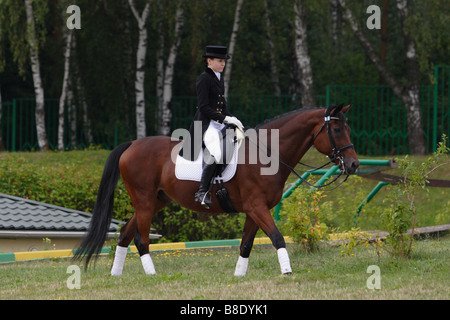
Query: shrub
[402,213]
[302,218]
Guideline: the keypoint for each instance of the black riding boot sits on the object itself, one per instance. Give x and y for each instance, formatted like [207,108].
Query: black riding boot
[202,195]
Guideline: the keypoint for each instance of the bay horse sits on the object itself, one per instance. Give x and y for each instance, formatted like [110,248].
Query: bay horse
[148,174]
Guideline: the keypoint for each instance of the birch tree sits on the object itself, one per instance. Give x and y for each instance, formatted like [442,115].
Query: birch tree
[141,53]
[62,100]
[408,93]
[231,46]
[302,54]
[37,80]
[164,112]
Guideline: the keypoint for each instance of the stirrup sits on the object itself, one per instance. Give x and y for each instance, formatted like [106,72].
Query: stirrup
[202,200]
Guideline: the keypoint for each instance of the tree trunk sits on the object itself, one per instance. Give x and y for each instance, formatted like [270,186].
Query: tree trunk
[37,81]
[62,99]
[303,59]
[234,32]
[334,12]
[411,98]
[140,69]
[409,94]
[165,112]
[272,61]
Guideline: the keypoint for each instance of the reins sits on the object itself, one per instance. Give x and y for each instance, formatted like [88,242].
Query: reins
[336,153]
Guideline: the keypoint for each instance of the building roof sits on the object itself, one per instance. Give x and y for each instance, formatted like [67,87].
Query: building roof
[23,214]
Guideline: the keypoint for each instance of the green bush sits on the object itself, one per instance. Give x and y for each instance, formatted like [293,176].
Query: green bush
[303,218]
[70,183]
[71,179]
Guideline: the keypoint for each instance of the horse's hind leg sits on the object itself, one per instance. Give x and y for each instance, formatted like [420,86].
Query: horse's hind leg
[250,229]
[128,232]
[126,235]
[144,215]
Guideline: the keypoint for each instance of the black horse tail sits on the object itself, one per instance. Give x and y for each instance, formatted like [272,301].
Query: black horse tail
[93,241]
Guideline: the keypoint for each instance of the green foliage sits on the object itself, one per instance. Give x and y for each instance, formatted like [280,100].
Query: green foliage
[302,218]
[357,239]
[67,179]
[402,213]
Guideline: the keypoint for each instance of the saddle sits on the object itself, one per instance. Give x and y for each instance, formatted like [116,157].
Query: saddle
[192,170]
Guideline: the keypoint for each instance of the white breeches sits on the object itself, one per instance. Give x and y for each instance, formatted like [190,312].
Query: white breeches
[213,139]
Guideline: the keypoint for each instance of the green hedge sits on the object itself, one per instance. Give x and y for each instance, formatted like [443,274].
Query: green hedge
[71,179]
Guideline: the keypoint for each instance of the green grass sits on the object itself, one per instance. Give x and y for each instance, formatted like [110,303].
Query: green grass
[208,274]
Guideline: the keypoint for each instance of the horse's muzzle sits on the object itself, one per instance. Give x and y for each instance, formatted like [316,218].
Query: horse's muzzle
[348,165]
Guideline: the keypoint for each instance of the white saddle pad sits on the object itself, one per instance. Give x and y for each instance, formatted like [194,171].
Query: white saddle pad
[192,170]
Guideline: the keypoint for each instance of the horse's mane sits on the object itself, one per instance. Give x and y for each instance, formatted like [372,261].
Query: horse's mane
[289,113]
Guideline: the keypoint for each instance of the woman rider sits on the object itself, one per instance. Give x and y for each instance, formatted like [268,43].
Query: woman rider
[214,115]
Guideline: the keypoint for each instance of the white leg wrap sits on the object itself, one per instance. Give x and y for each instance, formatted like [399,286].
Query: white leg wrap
[283,258]
[147,263]
[119,260]
[241,267]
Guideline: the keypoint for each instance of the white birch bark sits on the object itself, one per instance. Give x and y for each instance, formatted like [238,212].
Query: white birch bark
[140,68]
[37,81]
[72,115]
[302,54]
[63,97]
[409,94]
[231,46]
[165,113]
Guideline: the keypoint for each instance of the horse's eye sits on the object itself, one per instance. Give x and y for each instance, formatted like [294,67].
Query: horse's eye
[337,130]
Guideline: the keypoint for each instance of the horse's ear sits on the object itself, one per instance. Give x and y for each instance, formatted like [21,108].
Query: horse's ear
[345,109]
[337,109]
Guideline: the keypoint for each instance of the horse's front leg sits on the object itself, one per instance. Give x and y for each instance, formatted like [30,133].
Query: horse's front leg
[260,215]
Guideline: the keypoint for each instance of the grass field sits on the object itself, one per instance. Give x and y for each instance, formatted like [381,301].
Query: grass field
[205,274]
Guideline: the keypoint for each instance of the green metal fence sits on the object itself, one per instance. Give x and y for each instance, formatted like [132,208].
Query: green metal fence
[378,117]
[441,103]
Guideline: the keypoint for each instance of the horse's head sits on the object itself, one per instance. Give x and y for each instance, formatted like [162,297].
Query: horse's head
[332,138]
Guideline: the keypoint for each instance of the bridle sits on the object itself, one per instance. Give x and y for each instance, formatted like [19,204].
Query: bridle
[336,153]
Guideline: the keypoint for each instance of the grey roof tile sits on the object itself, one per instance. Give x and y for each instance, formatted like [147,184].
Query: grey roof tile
[23,214]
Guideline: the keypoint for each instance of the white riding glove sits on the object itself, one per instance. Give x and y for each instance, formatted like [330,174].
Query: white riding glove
[235,121]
